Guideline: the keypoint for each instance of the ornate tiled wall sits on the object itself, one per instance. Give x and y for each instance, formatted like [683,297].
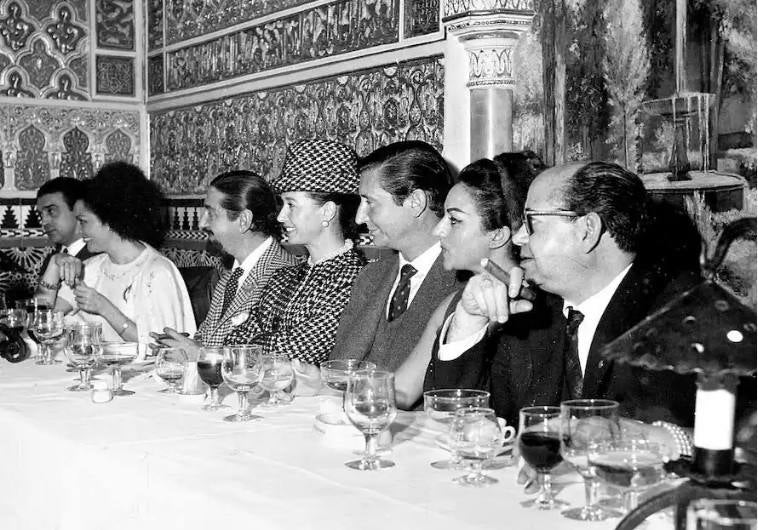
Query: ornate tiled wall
[364,109]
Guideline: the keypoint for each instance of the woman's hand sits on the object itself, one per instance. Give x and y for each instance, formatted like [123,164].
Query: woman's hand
[69,267]
[90,300]
[307,378]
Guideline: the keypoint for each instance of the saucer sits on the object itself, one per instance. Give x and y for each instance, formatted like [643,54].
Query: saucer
[443,442]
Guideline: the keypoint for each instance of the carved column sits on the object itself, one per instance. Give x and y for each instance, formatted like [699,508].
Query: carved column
[489,31]
[10,150]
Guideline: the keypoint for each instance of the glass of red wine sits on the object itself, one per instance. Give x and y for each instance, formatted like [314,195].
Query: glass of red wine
[209,369]
[12,324]
[540,446]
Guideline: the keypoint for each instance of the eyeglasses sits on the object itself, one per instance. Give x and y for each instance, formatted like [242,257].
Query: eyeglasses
[526,217]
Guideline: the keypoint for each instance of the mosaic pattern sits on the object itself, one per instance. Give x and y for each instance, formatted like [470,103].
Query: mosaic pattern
[115,24]
[421,17]
[115,75]
[76,162]
[64,33]
[155,75]
[364,109]
[154,24]
[323,31]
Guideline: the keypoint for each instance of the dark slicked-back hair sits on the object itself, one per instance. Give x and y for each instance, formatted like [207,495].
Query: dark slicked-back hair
[71,189]
[616,195]
[121,197]
[408,166]
[245,190]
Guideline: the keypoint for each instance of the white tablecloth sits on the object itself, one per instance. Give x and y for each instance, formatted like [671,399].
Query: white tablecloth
[153,460]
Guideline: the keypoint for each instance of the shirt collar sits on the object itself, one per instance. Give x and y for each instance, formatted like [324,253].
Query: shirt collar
[594,306]
[74,248]
[249,262]
[424,261]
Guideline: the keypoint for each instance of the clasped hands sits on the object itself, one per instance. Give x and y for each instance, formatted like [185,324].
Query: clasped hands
[70,271]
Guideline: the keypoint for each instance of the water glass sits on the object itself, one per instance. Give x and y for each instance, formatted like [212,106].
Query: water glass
[241,369]
[540,446]
[48,327]
[476,435]
[584,424]
[276,375]
[370,407]
[721,514]
[170,365]
[209,369]
[116,355]
[335,373]
[82,349]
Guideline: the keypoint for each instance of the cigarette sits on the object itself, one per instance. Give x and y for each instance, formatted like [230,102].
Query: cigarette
[495,270]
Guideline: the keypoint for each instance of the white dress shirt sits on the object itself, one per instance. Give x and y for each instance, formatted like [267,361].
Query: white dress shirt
[423,263]
[249,263]
[74,248]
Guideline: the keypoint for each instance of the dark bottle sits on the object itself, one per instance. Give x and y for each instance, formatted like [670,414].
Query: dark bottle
[12,345]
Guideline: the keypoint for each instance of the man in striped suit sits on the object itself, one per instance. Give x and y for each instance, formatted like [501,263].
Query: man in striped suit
[240,216]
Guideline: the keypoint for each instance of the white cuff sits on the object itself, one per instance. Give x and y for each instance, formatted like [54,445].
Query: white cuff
[453,350]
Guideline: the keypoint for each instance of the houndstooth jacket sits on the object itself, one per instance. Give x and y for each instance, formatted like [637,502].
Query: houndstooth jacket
[216,326]
[300,308]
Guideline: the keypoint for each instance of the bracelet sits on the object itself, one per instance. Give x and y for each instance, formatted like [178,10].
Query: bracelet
[682,439]
[49,286]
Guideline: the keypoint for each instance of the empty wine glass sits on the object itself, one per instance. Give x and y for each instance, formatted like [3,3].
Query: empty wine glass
[48,327]
[276,375]
[476,435]
[584,424]
[116,355]
[440,406]
[241,370]
[540,446]
[335,373]
[209,369]
[82,348]
[170,365]
[370,407]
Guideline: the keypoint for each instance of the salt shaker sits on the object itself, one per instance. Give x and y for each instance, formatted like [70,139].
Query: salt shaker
[101,392]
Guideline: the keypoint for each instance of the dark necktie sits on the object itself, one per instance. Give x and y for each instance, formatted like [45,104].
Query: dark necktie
[231,288]
[399,302]
[574,377]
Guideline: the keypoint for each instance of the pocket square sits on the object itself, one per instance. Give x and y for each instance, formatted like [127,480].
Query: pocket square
[240,318]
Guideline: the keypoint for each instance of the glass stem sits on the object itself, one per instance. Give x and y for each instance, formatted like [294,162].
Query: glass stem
[546,488]
[370,456]
[475,474]
[116,378]
[83,377]
[629,500]
[591,487]
[243,402]
[214,396]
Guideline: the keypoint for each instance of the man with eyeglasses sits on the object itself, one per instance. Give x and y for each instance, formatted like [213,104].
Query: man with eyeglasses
[583,233]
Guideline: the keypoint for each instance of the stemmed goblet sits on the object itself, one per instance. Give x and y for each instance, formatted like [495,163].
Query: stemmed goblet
[335,374]
[276,375]
[48,327]
[241,370]
[12,324]
[476,435]
[441,405]
[585,423]
[209,369]
[370,407]
[540,446]
[82,348]
[116,355]
[171,365]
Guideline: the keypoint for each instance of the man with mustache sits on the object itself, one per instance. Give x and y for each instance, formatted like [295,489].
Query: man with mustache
[240,217]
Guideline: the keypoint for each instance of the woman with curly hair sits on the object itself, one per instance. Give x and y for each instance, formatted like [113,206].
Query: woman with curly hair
[130,287]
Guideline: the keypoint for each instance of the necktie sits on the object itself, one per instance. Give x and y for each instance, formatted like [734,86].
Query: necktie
[574,376]
[399,302]
[231,288]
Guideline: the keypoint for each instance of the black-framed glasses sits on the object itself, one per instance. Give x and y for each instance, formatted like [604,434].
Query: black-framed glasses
[526,216]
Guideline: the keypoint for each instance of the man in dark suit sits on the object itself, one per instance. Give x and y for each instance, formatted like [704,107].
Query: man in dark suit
[581,242]
[240,217]
[403,188]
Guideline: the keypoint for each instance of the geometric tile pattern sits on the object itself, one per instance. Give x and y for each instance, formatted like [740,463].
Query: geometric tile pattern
[115,75]
[115,24]
[421,17]
[155,75]
[364,109]
[155,23]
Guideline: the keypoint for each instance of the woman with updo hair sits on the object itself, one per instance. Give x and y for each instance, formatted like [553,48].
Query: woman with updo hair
[130,288]
[482,212]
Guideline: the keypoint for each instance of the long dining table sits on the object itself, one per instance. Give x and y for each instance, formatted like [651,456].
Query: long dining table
[155,460]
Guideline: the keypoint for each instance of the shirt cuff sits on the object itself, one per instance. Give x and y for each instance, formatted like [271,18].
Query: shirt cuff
[453,350]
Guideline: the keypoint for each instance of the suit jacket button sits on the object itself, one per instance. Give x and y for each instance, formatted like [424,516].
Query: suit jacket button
[601,364]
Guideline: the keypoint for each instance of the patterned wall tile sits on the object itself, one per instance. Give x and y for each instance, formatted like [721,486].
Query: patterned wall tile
[364,109]
[16,27]
[42,9]
[326,30]
[80,67]
[155,75]
[154,24]
[115,24]
[421,17]
[115,75]
[64,32]
[39,64]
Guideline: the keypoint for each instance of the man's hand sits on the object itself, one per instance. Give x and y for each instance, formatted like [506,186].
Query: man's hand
[307,378]
[69,267]
[174,339]
[89,299]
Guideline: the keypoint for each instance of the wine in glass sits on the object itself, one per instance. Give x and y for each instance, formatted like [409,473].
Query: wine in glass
[584,424]
[276,375]
[209,369]
[12,324]
[82,349]
[440,406]
[370,407]
[116,355]
[540,446]
[476,435]
[241,370]
[171,365]
[48,327]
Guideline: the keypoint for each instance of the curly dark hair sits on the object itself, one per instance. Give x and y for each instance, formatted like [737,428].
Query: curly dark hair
[124,199]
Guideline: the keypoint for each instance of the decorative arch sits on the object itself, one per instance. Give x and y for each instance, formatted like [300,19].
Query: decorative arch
[76,160]
[32,164]
[118,146]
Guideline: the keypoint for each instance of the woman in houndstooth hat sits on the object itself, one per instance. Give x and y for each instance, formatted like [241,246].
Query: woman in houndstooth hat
[300,308]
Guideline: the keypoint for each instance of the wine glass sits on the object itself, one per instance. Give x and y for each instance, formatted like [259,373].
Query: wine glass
[584,424]
[12,324]
[170,365]
[540,446]
[82,349]
[116,355]
[241,370]
[276,375]
[31,306]
[721,514]
[48,327]
[632,465]
[335,373]
[209,369]
[440,406]
[370,407]
[476,435]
